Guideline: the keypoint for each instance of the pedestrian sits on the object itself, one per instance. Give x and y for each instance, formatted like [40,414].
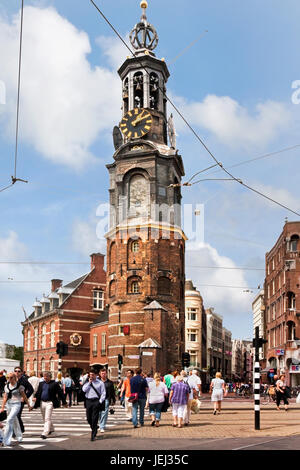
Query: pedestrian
[168,380]
[2,382]
[67,384]
[95,394]
[156,397]
[217,387]
[76,391]
[179,396]
[110,399]
[149,378]
[14,393]
[138,388]
[28,389]
[34,382]
[126,390]
[281,392]
[48,396]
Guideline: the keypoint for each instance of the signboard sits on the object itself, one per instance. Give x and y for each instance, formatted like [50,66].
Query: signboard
[146,353]
[279,352]
[295,369]
[133,357]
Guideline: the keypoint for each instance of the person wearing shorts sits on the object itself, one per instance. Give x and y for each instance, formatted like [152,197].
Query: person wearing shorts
[217,387]
[179,396]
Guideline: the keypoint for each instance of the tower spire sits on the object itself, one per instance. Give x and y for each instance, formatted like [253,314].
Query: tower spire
[143,36]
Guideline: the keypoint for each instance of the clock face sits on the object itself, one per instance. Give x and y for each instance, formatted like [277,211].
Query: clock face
[136,123]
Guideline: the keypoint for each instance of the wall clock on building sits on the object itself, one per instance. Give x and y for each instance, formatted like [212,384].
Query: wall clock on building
[136,123]
[75,339]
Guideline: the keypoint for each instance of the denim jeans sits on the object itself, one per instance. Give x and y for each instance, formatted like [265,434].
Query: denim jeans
[12,423]
[103,415]
[155,409]
[141,403]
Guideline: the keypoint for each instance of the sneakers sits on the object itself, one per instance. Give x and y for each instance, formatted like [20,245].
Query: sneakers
[102,431]
[43,436]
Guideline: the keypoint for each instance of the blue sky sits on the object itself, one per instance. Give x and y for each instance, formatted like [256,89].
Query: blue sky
[235,87]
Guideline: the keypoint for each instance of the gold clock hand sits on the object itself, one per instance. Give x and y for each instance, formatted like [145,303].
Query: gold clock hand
[138,119]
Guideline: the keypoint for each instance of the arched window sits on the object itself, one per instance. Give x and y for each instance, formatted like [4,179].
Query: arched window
[290,330]
[291,300]
[35,366]
[43,364]
[52,334]
[125,95]
[134,285]
[43,336]
[51,364]
[36,337]
[294,242]
[138,90]
[112,258]
[28,367]
[138,195]
[112,288]
[154,91]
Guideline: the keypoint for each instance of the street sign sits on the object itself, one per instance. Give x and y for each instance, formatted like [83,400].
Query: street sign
[279,352]
[133,357]
[146,353]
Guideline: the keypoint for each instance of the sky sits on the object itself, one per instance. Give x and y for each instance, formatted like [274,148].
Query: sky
[236,85]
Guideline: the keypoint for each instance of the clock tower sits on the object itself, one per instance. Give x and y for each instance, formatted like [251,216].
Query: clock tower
[145,242]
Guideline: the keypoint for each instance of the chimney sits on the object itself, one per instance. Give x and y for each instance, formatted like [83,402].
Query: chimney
[55,284]
[97,260]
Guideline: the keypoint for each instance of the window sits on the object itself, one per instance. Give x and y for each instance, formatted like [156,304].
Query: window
[44,336]
[164,286]
[193,358]
[135,246]
[95,345]
[192,314]
[103,344]
[36,337]
[135,287]
[294,242]
[28,340]
[98,299]
[51,362]
[52,334]
[192,335]
[43,365]
[35,366]
[273,264]
[121,328]
[273,287]
[28,366]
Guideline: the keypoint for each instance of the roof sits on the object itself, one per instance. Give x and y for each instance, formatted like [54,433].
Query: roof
[102,318]
[154,305]
[150,343]
[76,283]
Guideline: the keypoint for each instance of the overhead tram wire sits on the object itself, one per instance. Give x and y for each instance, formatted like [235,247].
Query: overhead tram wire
[188,124]
[14,178]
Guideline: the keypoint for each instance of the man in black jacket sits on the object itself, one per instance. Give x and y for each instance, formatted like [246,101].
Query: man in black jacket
[110,398]
[23,380]
[47,397]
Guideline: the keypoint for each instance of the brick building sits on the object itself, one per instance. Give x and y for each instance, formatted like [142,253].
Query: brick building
[65,315]
[98,341]
[145,242]
[282,303]
[195,326]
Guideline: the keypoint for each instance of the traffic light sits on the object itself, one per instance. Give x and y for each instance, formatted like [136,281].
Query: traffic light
[185,359]
[61,348]
[120,359]
[259,342]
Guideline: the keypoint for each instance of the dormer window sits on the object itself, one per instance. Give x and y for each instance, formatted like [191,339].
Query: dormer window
[98,299]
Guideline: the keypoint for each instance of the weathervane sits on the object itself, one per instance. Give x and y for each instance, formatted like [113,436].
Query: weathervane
[144,35]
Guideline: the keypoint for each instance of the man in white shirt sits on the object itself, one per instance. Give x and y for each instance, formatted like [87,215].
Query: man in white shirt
[195,385]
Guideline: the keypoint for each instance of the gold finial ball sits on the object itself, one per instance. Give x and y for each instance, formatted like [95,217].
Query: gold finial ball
[144,4]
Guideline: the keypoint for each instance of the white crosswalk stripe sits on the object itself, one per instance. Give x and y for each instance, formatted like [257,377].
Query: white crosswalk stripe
[68,423]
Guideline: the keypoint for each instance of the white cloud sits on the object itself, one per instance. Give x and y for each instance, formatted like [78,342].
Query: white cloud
[232,123]
[84,237]
[227,301]
[114,50]
[65,103]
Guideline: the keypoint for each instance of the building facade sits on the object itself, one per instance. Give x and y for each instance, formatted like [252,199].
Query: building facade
[214,324]
[282,302]
[227,354]
[145,242]
[195,327]
[65,315]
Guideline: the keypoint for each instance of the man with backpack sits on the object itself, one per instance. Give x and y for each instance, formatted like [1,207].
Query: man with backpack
[28,389]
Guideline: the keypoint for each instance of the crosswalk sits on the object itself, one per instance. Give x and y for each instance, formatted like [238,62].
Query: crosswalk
[68,423]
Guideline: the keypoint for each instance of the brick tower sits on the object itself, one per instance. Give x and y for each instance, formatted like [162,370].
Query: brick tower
[145,242]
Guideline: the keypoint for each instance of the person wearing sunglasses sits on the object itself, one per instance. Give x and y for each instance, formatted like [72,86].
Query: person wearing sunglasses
[14,395]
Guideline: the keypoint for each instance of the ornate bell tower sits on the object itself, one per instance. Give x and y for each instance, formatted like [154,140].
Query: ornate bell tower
[145,242]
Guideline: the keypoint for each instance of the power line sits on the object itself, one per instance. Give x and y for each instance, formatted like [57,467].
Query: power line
[189,125]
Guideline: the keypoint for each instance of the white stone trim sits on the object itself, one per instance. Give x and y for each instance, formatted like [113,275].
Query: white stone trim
[124,323]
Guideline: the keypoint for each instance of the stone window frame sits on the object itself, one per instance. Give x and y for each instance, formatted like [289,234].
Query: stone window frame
[133,283]
[98,300]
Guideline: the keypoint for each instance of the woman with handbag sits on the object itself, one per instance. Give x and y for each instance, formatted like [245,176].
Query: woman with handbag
[13,396]
[156,398]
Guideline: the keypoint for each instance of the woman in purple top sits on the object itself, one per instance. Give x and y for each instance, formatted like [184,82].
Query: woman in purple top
[179,396]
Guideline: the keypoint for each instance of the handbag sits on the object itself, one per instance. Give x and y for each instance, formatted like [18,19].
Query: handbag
[3,415]
[102,405]
[133,398]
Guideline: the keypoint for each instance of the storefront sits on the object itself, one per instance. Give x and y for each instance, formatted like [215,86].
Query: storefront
[294,372]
